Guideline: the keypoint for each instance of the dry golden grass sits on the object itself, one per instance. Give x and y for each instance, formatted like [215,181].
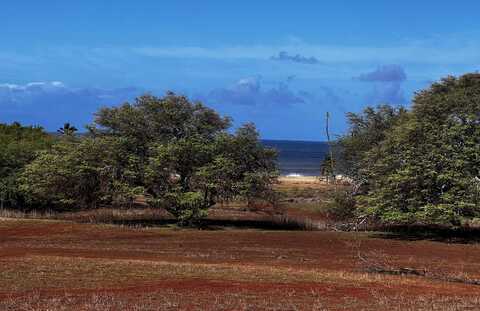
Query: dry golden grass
[277,300]
[54,272]
[165,300]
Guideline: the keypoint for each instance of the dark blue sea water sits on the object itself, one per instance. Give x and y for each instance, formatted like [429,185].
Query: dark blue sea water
[299,157]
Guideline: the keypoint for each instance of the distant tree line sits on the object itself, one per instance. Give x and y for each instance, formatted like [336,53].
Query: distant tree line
[177,154]
[420,165]
[417,165]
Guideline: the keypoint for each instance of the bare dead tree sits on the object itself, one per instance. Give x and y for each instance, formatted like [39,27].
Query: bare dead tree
[332,164]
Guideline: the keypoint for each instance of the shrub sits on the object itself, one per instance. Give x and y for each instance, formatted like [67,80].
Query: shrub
[188,207]
[77,174]
[422,165]
[177,153]
[19,145]
[342,207]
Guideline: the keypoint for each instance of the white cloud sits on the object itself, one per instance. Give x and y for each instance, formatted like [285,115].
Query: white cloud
[33,85]
[445,50]
[49,104]
[9,86]
[250,92]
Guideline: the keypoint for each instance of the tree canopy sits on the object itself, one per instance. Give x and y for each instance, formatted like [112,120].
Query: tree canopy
[19,146]
[178,154]
[422,165]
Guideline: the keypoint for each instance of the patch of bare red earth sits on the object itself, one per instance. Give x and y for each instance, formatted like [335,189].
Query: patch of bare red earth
[329,251]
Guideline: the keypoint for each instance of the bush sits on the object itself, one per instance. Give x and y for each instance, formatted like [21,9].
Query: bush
[177,153]
[342,207]
[423,165]
[188,207]
[19,146]
[80,174]
[220,168]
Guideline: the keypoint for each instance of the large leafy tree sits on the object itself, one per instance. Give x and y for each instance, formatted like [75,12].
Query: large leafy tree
[427,168]
[201,163]
[81,173]
[366,132]
[152,120]
[19,146]
[177,153]
[189,175]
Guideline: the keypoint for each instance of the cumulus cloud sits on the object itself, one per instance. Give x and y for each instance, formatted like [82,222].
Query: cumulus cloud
[275,105]
[50,104]
[284,56]
[388,93]
[387,84]
[31,85]
[250,91]
[387,73]
[452,49]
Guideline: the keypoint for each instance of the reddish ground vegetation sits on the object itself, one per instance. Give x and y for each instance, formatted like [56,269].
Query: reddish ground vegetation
[90,266]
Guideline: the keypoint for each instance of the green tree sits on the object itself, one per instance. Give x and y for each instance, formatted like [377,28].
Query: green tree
[19,146]
[367,131]
[185,159]
[327,166]
[81,174]
[427,167]
[255,165]
[152,120]
[67,129]
[177,153]
[190,175]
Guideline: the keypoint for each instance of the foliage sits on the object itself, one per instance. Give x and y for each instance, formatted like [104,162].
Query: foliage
[18,147]
[176,153]
[422,165]
[253,166]
[367,130]
[84,173]
[342,206]
[151,121]
[427,169]
[67,130]
[218,169]
[187,207]
[327,167]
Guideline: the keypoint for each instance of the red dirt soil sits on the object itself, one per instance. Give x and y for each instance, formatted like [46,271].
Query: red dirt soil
[289,251]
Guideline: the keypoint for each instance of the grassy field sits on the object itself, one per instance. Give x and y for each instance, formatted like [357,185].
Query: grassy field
[66,265]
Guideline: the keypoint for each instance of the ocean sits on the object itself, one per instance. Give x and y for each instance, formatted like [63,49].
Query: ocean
[299,157]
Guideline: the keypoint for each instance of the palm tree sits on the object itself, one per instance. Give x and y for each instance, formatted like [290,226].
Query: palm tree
[67,129]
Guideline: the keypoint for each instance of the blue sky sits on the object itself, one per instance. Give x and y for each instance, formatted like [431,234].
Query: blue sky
[280,64]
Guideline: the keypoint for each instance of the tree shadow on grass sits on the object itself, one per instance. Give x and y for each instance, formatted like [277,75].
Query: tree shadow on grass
[459,235]
[219,224]
[144,223]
